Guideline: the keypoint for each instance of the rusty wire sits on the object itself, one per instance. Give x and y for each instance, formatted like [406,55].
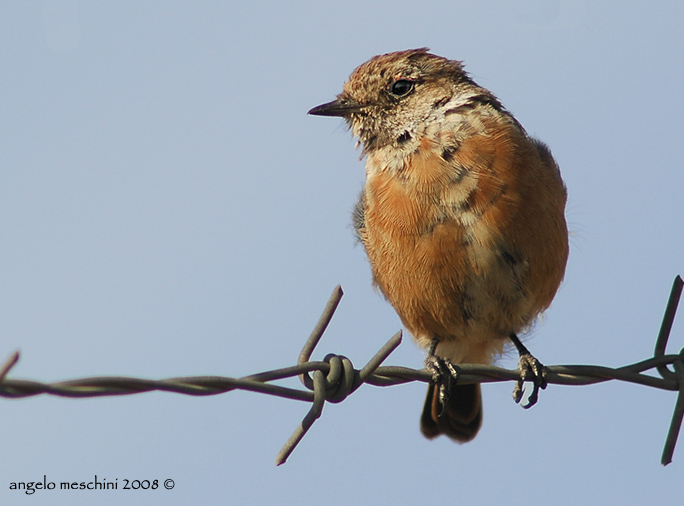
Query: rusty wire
[335,377]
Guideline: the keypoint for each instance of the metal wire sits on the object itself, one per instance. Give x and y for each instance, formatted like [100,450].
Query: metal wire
[335,377]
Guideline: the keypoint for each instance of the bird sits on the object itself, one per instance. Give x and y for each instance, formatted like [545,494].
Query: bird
[462,217]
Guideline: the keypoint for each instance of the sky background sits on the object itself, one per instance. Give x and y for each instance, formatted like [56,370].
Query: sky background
[167,208]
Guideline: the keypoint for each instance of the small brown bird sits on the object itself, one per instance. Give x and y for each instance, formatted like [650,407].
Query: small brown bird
[462,219]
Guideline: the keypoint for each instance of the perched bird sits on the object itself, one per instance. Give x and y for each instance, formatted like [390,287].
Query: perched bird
[462,219]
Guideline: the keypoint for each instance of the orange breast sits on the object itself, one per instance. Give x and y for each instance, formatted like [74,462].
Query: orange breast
[469,249]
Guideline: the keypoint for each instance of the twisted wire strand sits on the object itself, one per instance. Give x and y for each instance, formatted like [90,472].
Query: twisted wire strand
[335,378]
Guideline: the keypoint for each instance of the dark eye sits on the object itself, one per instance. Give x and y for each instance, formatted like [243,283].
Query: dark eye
[401,87]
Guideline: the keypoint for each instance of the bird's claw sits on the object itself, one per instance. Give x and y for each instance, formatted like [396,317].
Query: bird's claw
[444,374]
[532,370]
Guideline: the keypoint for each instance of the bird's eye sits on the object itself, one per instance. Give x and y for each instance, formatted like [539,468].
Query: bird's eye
[401,87]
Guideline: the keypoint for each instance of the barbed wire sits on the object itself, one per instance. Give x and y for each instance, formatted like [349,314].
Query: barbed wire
[335,377]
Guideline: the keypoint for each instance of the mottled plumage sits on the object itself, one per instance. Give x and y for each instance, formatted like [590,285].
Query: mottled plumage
[461,215]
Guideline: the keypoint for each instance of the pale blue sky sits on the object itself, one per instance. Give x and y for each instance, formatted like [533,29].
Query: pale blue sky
[167,208]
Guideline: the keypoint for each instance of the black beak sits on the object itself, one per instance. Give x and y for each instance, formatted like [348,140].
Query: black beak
[339,107]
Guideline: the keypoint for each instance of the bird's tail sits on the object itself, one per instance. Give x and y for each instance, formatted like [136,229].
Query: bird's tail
[460,419]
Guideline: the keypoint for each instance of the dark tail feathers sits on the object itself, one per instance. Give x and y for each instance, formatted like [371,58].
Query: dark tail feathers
[462,416]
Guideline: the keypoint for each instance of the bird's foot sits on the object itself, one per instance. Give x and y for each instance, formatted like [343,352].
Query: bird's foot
[444,374]
[530,369]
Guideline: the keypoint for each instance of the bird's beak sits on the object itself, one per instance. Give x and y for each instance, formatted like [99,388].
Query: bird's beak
[340,107]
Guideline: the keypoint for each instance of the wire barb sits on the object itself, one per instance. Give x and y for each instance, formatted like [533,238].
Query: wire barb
[661,344]
[342,379]
[6,367]
[335,377]
[677,416]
